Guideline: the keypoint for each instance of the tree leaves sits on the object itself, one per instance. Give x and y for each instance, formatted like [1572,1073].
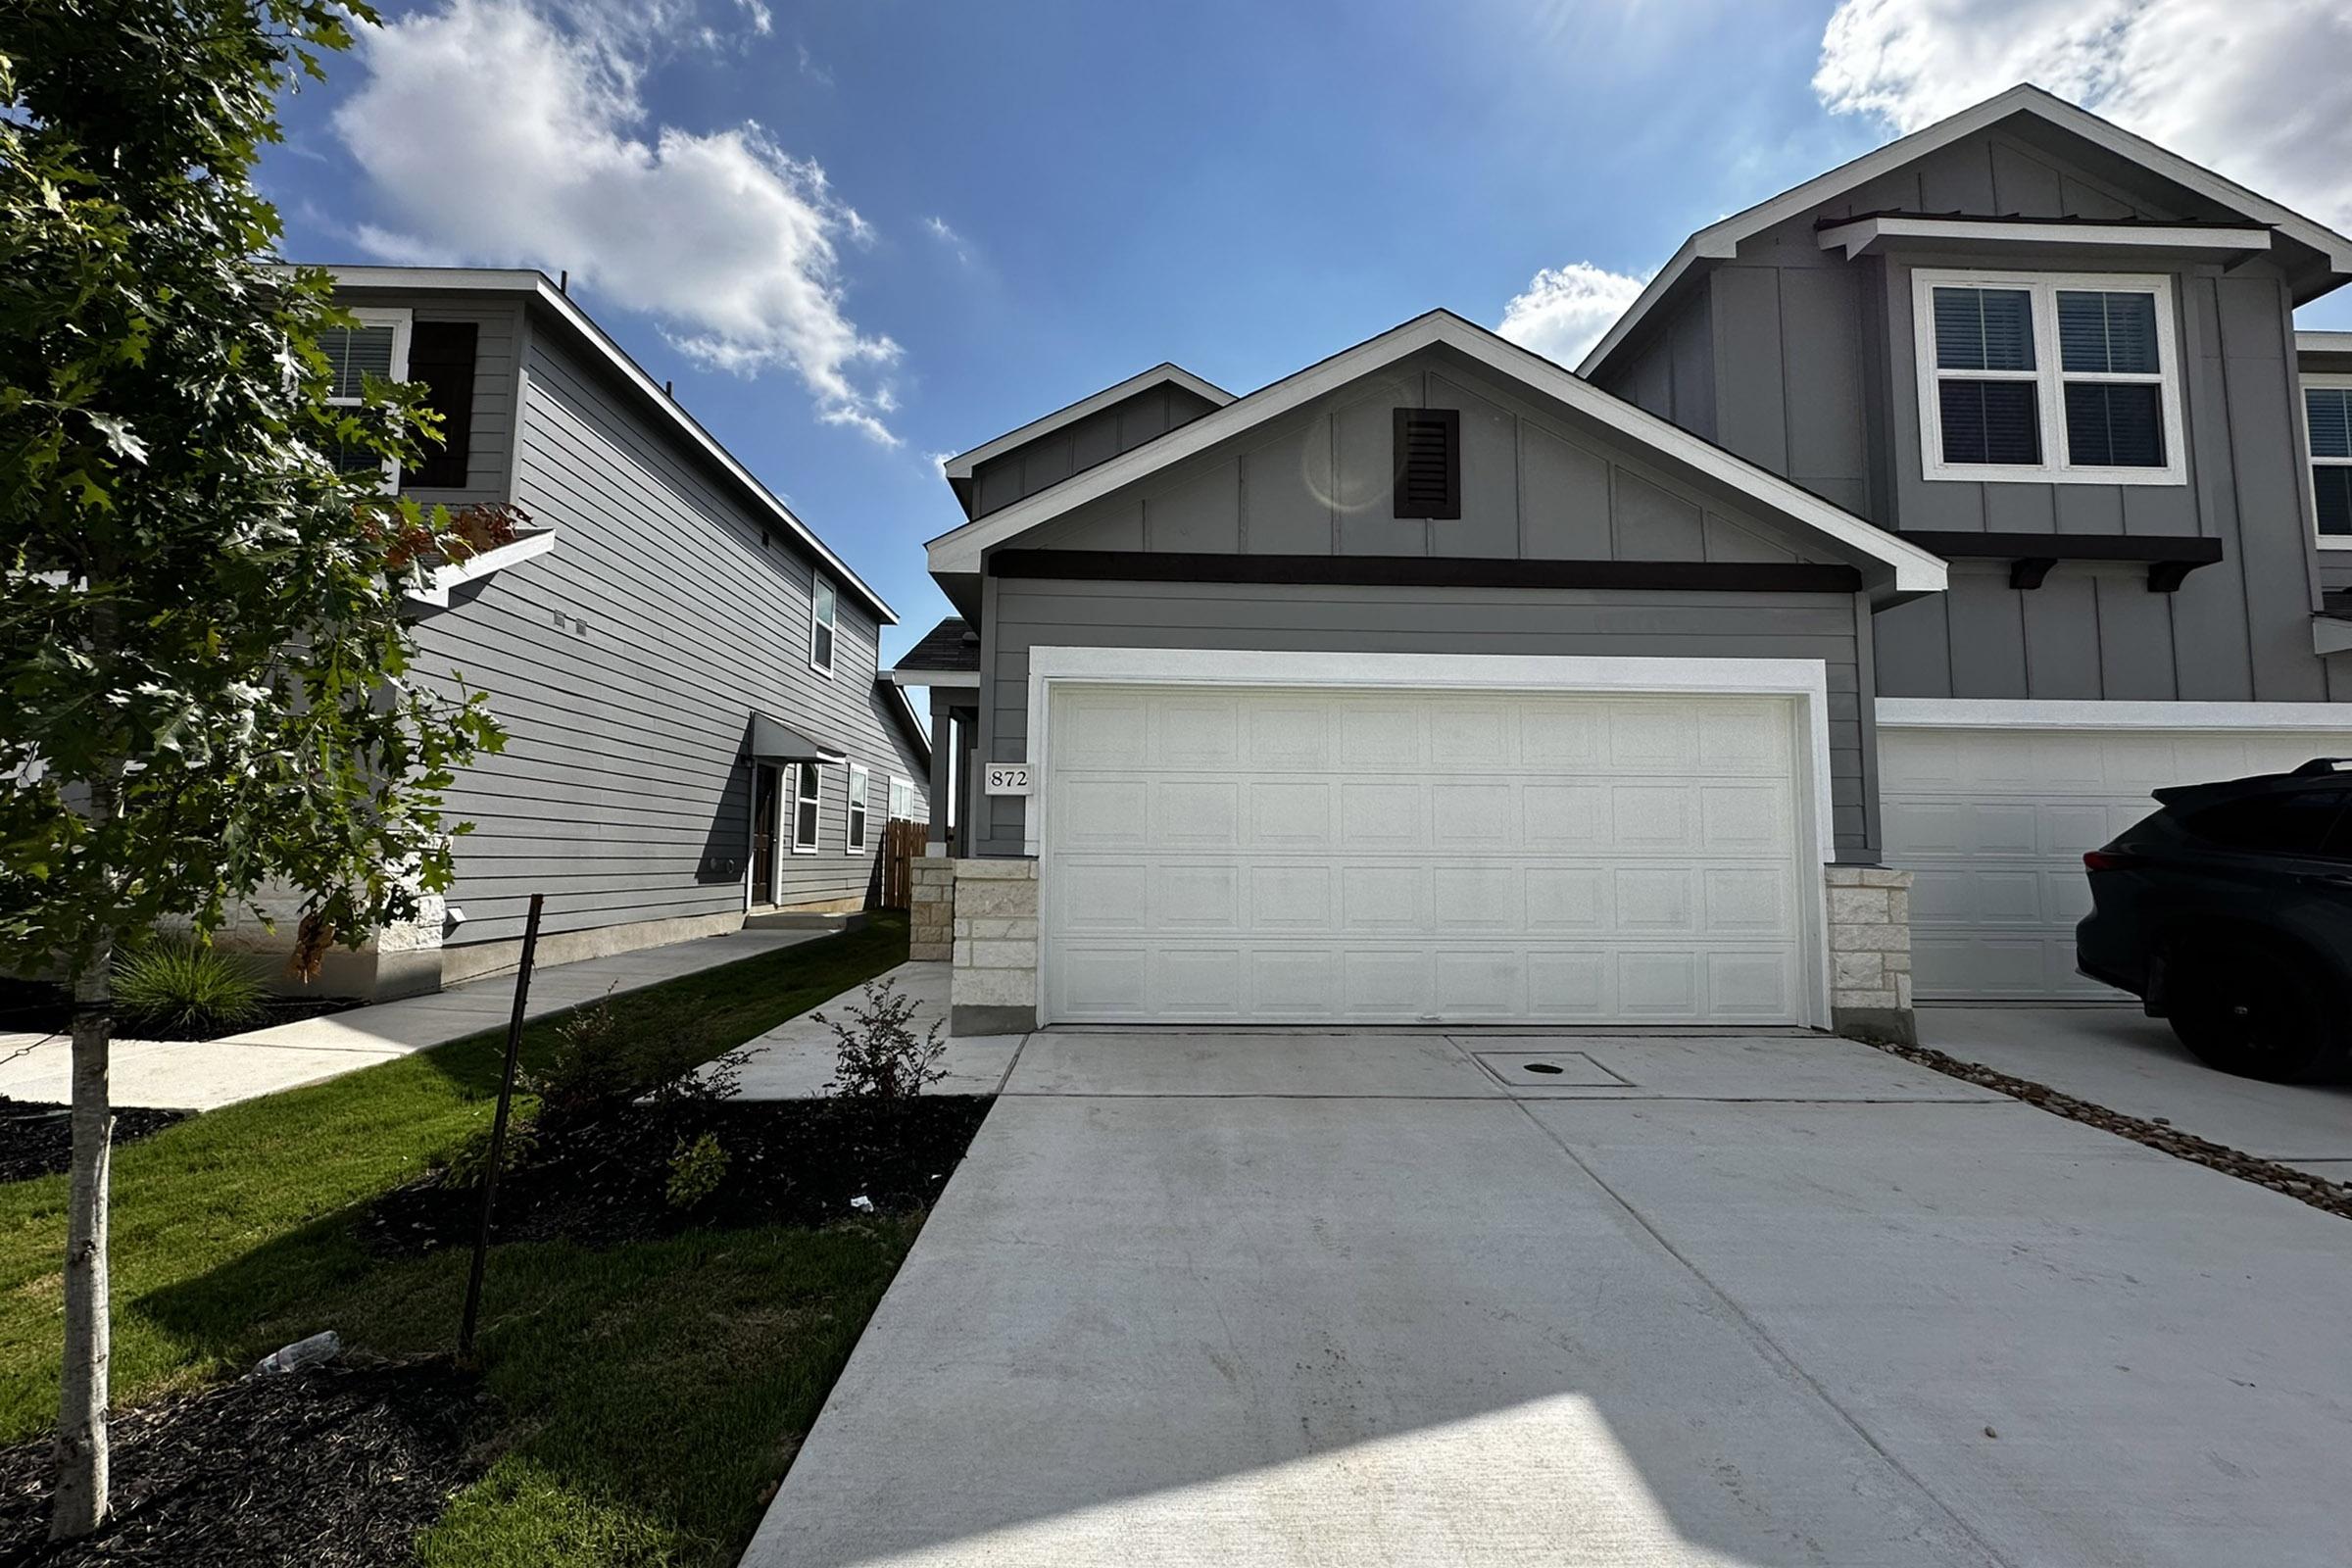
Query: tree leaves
[197,609]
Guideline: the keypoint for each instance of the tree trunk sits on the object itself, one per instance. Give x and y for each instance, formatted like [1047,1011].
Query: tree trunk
[81,1485]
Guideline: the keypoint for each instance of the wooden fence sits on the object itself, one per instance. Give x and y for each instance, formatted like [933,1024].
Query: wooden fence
[901,843]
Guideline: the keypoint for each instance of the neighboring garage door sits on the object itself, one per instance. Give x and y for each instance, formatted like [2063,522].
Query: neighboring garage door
[1995,824]
[1242,854]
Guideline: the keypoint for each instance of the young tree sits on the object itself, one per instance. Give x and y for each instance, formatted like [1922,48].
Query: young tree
[206,680]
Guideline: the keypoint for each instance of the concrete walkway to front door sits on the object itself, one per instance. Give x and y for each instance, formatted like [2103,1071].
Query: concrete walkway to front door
[1400,1298]
[207,1074]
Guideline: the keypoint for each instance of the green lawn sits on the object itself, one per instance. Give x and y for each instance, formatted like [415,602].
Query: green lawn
[650,1392]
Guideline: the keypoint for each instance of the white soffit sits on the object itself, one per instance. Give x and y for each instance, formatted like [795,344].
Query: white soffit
[1865,234]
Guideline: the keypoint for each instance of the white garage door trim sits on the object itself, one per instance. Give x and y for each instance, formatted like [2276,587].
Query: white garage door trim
[1992,919]
[1806,680]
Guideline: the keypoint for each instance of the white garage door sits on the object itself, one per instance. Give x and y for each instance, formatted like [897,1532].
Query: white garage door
[1222,855]
[1995,824]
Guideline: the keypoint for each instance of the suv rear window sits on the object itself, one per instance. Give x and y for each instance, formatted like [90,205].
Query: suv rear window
[2299,822]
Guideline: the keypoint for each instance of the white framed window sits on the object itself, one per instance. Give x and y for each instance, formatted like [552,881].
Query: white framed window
[902,798]
[2327,437]
[804,798]
[822,611]
[379,346]
[2049,378]
[861,783]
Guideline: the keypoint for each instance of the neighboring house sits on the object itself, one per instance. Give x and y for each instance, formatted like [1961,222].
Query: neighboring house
[1914,524]
[685,671]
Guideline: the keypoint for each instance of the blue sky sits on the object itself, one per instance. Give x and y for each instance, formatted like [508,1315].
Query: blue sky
[863,233]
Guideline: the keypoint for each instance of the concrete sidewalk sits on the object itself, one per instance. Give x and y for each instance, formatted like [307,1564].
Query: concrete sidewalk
[1321,1299]
[204,1075]
[2121,1059]
[796,1060]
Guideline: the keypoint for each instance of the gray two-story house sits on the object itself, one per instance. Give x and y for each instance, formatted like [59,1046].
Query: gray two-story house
[685,671]
[1775,667]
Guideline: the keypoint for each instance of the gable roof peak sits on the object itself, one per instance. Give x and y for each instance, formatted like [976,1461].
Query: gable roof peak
[1720,240]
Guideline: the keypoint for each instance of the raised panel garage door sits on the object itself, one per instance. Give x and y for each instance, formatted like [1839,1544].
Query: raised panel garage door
[1993,823]
[1245,854]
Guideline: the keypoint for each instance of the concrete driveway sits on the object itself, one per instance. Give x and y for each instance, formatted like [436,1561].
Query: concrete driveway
[2122,1059]
[1389,1298]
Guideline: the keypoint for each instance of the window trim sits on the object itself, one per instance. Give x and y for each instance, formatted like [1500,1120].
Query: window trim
[2313,460]
[399,319]
[816,798]
[891,799]
[853,828]
[2049,377]
[831,623]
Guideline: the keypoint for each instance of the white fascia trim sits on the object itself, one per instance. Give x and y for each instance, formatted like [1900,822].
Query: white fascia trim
[2323,342]
[537,286]
[1804,680]
[1862,234]
[1721,240]
[962,466]
[1915,570]
[960,678]
[1978,712]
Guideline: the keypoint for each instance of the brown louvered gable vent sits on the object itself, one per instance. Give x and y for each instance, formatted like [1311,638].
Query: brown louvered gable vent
[1429,462]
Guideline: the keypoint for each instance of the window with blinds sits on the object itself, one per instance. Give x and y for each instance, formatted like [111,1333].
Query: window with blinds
[2327,421]
[2051,379]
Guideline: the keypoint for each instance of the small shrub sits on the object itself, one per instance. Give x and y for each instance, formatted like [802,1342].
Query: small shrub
[695,1171]
[592,1070]
[719,1078]
[178,986]
[464,1165]
[880,1058]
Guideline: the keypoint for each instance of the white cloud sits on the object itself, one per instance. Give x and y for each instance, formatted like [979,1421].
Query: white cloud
[2255,90]
[1564,310]
[495,133]
[946,234]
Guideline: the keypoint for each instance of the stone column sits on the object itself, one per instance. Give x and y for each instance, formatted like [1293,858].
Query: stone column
[931,914]
[994,991]
[1870,953]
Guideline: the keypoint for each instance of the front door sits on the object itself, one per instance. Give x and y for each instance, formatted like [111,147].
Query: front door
[764,834]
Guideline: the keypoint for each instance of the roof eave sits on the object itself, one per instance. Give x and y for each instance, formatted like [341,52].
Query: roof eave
[537,287]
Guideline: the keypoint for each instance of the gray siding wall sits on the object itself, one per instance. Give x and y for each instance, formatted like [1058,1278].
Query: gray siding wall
[1815,376]
[1536,485]
[1100,436]
[625,665]
[1671,371]
[1021,614]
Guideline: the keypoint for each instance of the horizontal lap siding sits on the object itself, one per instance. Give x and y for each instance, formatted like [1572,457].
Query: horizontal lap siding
[625,665]
[1330,619]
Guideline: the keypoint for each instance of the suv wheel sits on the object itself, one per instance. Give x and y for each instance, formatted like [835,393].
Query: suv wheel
[2254,1013]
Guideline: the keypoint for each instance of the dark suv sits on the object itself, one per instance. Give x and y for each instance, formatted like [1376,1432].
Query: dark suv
[2229,913]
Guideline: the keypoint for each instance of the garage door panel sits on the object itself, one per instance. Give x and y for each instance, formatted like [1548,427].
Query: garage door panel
[1185,813]
[1528,858]
[1995,824]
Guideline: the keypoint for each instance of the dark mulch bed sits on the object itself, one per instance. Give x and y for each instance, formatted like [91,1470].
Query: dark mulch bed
[2156,1133]
[332,1465]
[789,1162]
[36,1137]
[36,1007]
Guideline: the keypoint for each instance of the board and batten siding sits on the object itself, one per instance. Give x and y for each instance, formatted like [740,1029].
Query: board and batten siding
[1814,374]
[1021,614]
[1536,485]
[625,665]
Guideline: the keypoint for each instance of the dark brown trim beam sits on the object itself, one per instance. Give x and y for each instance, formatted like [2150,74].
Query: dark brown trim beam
[1424,571]
[2169,558]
